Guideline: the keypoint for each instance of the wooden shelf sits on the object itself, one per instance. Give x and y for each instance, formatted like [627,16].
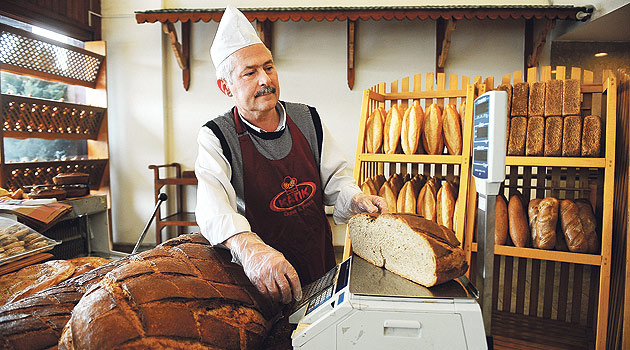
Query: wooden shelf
[180,219]
[556,161]
[414,158]
[542,254]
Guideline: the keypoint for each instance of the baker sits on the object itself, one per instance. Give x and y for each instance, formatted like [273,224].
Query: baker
[266,168]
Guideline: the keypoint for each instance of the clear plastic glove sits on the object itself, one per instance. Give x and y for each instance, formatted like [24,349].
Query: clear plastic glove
[266,267]
[364,203]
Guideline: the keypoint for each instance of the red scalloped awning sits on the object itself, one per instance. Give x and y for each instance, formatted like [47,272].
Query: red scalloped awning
[366,13]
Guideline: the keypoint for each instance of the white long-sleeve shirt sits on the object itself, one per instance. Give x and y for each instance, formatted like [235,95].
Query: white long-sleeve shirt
[216,210]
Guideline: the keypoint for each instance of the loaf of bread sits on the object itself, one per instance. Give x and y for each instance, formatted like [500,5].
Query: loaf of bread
[183,294]
[572,227]
[392,129]
[71,178]
[535,136]
[543,219]
[536,99]
[518,131]
[396,181]
[378,180]
[520,99]
[517,221]
[462,112]
[553,98]
[507,87]
[426,205]
[571,136]
[374,132]
[591,136]
[446,205]
[432,139]
[408,245]
[553,136]
[391,197]
[412,124]
[500,221]
[369,187]
[589,225]
[571,97]
[452,130]
[407,198]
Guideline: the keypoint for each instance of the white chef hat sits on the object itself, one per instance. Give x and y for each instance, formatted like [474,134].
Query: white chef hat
[234,33]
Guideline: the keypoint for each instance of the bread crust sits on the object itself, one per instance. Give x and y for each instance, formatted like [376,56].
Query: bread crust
[391,130]
[374,134]
[500,221]
[432,139]
[446,205]
[518,227]
[412,124]
[452,130]
[543,219]
[591,136]
[572,227]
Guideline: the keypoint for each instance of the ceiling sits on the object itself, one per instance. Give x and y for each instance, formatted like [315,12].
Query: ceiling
[613,26]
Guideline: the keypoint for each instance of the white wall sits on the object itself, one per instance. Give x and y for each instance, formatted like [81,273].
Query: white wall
[153,120]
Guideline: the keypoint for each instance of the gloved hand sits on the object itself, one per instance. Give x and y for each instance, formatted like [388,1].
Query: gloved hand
[266,267]
[364,203]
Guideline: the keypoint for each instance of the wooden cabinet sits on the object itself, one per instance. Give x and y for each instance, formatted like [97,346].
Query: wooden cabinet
[446,167]
[551,296]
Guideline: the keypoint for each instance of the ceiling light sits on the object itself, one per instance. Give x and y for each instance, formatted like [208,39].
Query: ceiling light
[601,54]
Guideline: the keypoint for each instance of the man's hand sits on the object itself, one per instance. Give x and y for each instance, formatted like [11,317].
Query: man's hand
[266,267]
[363,203]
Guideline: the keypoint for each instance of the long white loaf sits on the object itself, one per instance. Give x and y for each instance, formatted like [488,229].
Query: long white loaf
[408,245]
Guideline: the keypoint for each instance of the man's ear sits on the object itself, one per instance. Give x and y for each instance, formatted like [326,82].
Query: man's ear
[224,87]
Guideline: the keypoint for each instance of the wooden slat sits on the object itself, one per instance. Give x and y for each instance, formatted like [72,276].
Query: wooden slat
[576,301]
[535,288]
[507,283]
[520,285]
[563,292]
[550,268]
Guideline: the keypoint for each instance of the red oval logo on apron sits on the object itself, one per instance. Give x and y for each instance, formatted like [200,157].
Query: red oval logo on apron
[293,194]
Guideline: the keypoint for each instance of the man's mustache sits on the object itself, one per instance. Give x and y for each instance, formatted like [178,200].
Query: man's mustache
[265,90]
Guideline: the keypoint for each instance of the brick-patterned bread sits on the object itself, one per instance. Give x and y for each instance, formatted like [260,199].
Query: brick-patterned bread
[182,294]
[520,99]
[553,97]
[553,136]
[571,97]
[516,142]
[507,88]
[536,99]
[408,245]
[571,136]
[591,136]
[535,136]
[36,322]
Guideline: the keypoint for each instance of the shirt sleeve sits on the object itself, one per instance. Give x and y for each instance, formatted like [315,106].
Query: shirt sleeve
[338,183]
[216,211]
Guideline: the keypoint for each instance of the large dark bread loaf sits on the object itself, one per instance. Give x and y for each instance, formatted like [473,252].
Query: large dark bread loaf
[183,294]
[408,245]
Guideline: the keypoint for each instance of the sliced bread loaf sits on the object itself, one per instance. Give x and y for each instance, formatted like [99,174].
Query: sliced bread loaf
[408,245]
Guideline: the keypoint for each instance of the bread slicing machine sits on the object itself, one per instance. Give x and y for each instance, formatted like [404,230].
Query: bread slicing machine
[361,306]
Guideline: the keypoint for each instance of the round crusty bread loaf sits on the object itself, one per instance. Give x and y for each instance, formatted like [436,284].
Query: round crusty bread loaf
[183,294]
[408,245]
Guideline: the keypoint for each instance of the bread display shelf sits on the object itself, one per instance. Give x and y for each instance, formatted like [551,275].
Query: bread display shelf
[573,162]
[541,254]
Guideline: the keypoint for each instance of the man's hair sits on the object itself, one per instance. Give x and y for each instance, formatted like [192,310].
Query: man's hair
[225,68]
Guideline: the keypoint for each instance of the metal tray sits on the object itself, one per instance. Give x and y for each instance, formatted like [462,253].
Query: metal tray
[13,231]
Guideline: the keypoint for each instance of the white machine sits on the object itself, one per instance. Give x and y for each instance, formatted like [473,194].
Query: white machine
[366,307]
[488,169]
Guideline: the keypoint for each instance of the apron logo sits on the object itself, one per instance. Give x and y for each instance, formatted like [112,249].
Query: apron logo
[293,195]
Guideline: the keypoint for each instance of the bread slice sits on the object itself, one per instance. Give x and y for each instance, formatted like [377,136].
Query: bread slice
[408,245]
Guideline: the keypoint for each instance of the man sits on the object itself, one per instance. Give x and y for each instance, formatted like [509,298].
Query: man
[266,169]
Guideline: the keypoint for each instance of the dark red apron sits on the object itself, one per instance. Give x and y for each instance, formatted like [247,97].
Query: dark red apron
[284,205]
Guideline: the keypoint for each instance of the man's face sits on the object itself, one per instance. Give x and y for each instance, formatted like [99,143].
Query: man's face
[254,85]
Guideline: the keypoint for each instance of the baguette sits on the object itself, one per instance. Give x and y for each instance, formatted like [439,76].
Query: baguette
[571,97]
[432,136]
[589,225]
[407,197]
[553,97]
[408,245]
[571,136]
[462,112]
[379,180]
[517,221]
[591,136]
[520,99]
[553,137]
[543,218]
[572,227]
[536,99]
[390,197]
[391,130]
[445,205]
[518,131]
[500,221]
[374,134]
[368,187]
[534,145]
[396,181]
[426,205]
[452,130]
[412,124]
